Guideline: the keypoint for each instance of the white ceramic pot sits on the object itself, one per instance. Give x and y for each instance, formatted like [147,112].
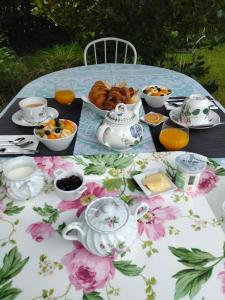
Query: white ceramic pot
[22,180]
[120,130]
[107,227]
[195,110]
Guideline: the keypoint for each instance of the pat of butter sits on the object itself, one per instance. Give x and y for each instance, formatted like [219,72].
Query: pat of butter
[157,182]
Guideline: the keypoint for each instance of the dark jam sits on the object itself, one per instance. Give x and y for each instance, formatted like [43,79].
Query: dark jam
[69,183]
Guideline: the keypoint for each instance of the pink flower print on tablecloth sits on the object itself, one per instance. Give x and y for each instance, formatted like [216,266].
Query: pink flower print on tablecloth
[207,182]
[92,192]
[152,223]
[2,209]
[50,164]
[221,276]
[40,231]
[87,271]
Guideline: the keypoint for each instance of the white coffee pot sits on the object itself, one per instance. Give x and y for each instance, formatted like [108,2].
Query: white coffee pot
[22,180]
[120,130]
[107,227]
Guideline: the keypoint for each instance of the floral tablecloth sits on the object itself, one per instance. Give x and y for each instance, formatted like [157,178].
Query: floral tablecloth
[179,252]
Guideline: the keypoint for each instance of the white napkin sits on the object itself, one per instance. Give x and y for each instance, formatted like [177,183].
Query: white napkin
[5,138]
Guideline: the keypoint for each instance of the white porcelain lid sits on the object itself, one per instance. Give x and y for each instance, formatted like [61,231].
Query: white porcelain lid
[121,115]
[106,214]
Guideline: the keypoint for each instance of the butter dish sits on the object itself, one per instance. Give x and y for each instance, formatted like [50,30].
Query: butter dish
[159,182]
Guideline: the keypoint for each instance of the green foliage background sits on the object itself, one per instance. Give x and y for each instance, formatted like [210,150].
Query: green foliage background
[41,36]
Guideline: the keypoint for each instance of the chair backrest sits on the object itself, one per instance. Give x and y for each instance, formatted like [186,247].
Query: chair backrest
[116,40]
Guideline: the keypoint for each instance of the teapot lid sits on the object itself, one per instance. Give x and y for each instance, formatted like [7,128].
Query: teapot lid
[106,214]
[120,114]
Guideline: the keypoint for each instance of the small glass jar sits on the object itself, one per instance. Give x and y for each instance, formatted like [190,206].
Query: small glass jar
[189,169]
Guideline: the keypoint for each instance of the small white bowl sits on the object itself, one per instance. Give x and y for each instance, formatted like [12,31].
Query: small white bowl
[154,101]
[58,144]
[69,195]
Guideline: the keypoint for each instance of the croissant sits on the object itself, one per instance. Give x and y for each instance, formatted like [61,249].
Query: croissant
[106,97]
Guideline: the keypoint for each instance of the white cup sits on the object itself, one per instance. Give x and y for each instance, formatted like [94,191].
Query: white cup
[195,110]
[34,109]
[69,195]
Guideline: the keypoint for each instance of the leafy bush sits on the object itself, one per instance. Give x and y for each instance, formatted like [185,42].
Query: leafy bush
[53,59]
[16,72]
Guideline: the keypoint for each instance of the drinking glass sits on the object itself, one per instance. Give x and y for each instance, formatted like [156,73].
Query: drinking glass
[64,93]
[173,137]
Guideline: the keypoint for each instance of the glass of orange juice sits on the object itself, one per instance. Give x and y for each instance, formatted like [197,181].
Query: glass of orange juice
[64,93]
[173,137]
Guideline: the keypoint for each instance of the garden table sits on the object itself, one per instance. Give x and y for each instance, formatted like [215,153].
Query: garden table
[138,76]
[182,234]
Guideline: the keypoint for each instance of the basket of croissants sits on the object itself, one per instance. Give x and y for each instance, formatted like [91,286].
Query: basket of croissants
[105,96]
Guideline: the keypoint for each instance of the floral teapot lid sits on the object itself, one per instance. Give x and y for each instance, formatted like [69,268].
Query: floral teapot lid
[122,115]
[106,214]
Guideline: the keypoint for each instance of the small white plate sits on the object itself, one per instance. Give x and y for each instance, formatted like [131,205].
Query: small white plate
[174,114]
[138,178]
[18,119]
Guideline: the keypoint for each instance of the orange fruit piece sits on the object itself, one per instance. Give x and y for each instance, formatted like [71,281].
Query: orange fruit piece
[52,136]
[152,118]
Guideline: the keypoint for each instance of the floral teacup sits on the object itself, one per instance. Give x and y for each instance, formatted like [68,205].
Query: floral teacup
[195,110]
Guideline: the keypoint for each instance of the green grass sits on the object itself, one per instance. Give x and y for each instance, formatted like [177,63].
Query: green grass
[216,60]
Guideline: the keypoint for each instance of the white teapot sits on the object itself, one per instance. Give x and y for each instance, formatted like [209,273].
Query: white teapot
[22,180]
[121,129]
[107,227]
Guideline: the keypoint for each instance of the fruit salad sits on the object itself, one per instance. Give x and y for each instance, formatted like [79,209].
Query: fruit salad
[154,90]
[55,129]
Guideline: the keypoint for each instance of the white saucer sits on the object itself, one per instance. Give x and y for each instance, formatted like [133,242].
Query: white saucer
[18,119]
[138,178]
[174,114]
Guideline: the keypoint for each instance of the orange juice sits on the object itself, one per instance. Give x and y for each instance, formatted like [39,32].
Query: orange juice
[64,97]
[174,138]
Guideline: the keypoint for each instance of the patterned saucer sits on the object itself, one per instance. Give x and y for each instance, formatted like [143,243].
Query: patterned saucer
[18,119]
[174,115]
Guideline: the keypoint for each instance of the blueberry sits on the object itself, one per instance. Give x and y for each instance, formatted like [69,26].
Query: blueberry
[57,130]
[47,132]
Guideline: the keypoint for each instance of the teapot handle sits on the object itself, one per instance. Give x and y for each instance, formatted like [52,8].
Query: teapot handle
[72,237]
[140,209]
[100,134]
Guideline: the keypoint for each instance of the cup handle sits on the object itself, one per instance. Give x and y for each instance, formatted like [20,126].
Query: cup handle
[140,210]
[75,236]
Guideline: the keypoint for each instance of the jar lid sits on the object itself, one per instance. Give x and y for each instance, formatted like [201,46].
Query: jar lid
[121,115]
[190,163]
[106,214]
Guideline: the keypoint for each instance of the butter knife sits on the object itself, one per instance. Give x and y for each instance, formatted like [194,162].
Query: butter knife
[206,126]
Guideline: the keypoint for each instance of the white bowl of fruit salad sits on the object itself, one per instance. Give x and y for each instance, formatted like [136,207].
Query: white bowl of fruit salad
[156,95]
[56,134]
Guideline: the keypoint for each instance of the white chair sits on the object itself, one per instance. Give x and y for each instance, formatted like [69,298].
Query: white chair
[104,40]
